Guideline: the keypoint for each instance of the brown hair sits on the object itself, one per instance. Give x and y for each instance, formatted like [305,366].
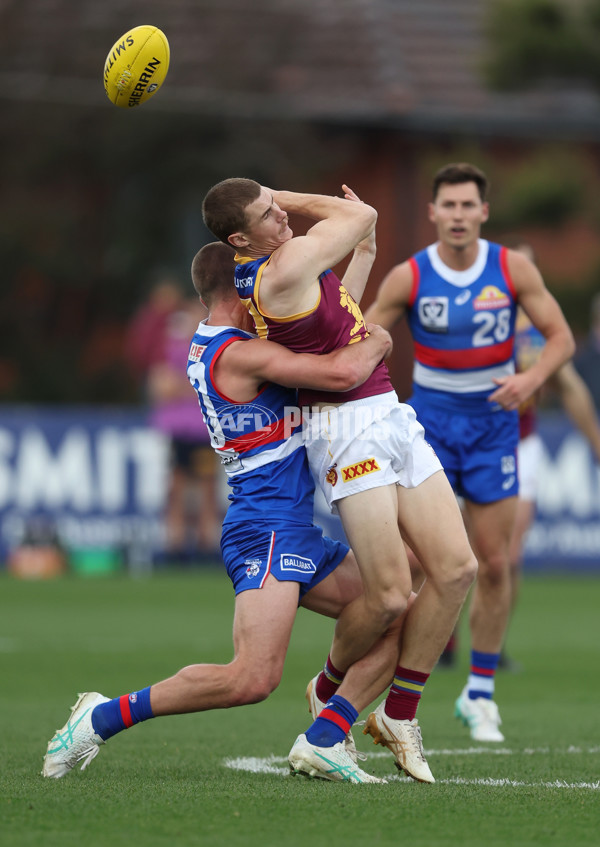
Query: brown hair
[460,172]
[224,207]
[212,272]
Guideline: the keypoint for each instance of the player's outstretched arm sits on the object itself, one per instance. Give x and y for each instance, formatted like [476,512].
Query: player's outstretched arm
[340,225]
[357,272]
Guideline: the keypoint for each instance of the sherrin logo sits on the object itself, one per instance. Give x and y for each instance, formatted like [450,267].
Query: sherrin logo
[145,77]
[359,469]
[491,298]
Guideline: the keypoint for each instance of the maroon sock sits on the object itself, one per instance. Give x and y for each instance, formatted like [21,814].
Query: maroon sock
[329,681]
[405,693]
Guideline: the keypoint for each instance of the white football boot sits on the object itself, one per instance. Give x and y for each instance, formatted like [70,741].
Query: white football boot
[315,706]
[480,715]
[76,741]
[403,738]
[333,763]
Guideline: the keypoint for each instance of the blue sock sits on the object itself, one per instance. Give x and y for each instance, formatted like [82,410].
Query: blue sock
[121,713]
[481,678]
[333,723]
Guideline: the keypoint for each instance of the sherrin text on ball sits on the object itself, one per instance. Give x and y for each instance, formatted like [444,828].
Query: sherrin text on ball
[136,66]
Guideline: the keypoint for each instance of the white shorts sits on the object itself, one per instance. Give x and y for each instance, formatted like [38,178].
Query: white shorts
[365,444]
[529,457]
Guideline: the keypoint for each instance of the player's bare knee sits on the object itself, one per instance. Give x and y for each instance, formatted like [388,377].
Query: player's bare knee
[260,687]
[494,570]
[395,628]
[458,575]
[389,605]
[253,691]
[468,571]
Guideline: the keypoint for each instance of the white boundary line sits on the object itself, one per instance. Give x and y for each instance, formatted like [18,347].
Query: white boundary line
[272,765]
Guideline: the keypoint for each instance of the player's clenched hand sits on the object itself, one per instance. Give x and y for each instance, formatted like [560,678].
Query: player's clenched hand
[368,244]
[349,194]
[512,391]
[382,337]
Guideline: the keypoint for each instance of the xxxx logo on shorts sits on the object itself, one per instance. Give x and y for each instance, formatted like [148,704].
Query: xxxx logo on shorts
[331,476]
[359,469]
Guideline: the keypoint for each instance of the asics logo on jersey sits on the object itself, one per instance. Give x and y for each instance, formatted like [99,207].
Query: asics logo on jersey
[462,298]
[359,469]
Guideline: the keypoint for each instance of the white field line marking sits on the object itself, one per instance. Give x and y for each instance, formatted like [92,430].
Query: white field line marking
[256,765]
[271,765]
[501,783]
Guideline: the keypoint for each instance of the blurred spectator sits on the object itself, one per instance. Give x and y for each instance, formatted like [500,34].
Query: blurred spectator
[148,329]
[587,360]
[159,339]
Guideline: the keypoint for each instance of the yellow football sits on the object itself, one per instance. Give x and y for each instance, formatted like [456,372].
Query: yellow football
[136,66]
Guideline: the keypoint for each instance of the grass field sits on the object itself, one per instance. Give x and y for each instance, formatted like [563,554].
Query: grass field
[220,778]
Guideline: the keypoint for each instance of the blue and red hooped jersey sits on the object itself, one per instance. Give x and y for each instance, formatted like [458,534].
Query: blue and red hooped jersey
[333,322]
[463,327]
[259,442]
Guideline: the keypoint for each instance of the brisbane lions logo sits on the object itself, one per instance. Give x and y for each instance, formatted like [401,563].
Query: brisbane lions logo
[350,304]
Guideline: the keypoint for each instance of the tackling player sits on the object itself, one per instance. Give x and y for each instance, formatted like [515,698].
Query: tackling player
[276,558]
